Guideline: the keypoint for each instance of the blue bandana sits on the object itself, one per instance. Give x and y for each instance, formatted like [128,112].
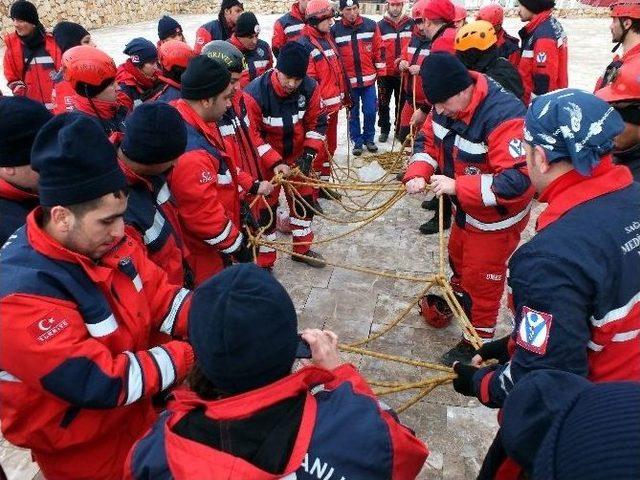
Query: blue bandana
[573,124]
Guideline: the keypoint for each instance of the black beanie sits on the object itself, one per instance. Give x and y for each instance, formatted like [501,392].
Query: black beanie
[76,161]
[168,27]
[247,25]
[293,60]
[204,78]
[443,76]
[68,35]
[20,120]
[348,3]
[227,4]
[154,133]
[538,6]
[26,11]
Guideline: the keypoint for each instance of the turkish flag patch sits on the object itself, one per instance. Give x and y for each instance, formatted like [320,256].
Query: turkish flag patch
[533,333]
[47,327]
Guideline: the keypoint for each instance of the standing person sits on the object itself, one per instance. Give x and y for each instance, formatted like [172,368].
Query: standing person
[289,125]
[31,56]
[289,26]
[67,35]
[473,138]
[169,29]
[79,301]
[575,284]
[92,75]
[544,50]
[173,58]
[257,53]
[222,27]
[155,137]
[20,120]
[205,181]
[138,75]
[460,17]
[395,30]
[508,46]
[326,69]
[363,56]
[245,415]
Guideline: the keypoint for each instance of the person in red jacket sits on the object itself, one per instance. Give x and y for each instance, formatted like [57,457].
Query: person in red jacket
[92,75]
[31,56]
[169,29]
[289,128]
[246,416]
[67,35]
[222,27]
[173,57]
[137,76]
[363,56]
[79,301]
[289,26]
[508,46]
[205,181]
[460,17]
[326,69]
[396,32]
[257,53]
[470,148]
[544,50]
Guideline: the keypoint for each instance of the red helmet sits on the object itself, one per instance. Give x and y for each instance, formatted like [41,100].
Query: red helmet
[319,10]
[88,65]
[625,85]
[417,11]
[492,13]
[628,9]
[460,13]
[174,53]
[435,310]
[395,2]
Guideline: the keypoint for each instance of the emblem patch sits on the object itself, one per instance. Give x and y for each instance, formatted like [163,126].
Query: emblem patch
[472,170]
[302,102]
[533,333]
[541,57]
[515,148]
[48,327]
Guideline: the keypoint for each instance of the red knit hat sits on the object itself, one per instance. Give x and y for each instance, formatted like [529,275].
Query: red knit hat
[439,10]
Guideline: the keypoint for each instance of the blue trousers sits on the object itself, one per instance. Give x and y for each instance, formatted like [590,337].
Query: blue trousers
[369,107]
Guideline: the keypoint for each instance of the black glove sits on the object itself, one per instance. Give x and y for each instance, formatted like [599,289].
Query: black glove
[497,350]
[244,254]
[463,384]
[305,162]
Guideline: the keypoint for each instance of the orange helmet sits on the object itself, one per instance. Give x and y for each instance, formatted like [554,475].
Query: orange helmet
[319,10]
[492,13]
[435,311]
[460,13]
[174,53]
[86,67]
[625,85]
[479,35]
[628,9]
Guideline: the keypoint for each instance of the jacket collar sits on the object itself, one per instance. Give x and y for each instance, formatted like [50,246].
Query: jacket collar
[295,11]
[168,81]
[480,91]
[280,92]
[401,20]
[208,130]
[131,75]
[356,23]
[132,177]
[314,33]
[572,189]
[94,107]
[11,192]
[233,40]
[632,52]
[536,21]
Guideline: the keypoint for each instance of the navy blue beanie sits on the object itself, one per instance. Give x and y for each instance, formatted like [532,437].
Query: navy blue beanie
[141,51]
[20,120]
[25,11]
[168,27]
[76,161]
[243,329]
[68,35]
[154,133]
[443,76]
[293,60]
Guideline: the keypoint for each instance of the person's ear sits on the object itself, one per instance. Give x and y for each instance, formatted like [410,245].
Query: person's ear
[62,218]
[8,171]
[540,159]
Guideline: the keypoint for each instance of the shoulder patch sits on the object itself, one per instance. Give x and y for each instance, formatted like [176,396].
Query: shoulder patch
[47,327]
[533,333]
[541,57]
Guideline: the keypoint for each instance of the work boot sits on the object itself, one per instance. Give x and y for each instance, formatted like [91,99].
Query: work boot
[372,147]
[431,227]
[463,352]
[357,150]
[329,194]
[431,204]
[384,136]
[311,258]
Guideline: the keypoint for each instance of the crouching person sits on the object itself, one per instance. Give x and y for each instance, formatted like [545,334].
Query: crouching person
[245,415]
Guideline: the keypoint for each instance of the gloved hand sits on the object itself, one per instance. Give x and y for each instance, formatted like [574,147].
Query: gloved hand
[305,162]
[247,216]
[495,350]
[244,254]
[463,384]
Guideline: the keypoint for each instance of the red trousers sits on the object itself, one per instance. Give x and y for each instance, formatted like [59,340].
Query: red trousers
[322,163]
[479,264]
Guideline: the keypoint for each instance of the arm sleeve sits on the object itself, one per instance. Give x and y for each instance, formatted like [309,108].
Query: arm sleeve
[278,39]
[509,183]
[561,291]
[12,73]
[379,52]
[545,65]
[74,366]
[315,123]
[423,161]
[269,157]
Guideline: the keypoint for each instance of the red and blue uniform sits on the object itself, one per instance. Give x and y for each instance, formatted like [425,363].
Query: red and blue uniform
[169,91]
[135,86]
[259,60]
[613,68]
[110,115]
[417,50]
[482,150]
[508,47]
[62,94]
[77,368]
[213,30]
[287,28]
[334,425]
[15,205]
[544,56]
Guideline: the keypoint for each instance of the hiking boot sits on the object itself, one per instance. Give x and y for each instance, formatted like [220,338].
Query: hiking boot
[431,227]
[372,147]
[329,194]
[383,137]
[357,150]
[311,258]
[431,204]
[463,352]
